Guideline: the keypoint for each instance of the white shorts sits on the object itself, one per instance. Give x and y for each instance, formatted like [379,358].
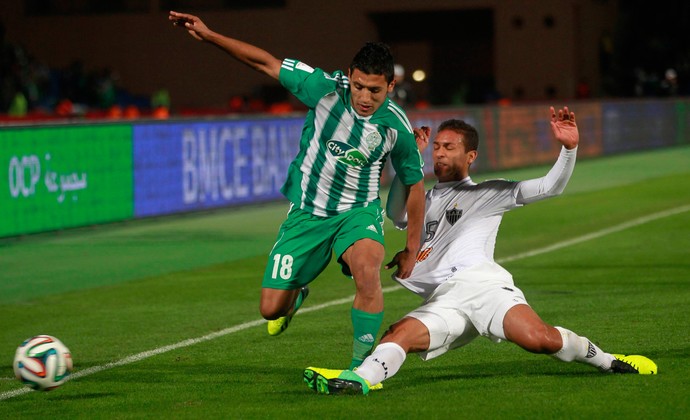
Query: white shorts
[471,303]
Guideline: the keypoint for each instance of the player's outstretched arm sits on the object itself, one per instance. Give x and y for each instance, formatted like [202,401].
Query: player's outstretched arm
[564,127]
[255,57]
[565,131]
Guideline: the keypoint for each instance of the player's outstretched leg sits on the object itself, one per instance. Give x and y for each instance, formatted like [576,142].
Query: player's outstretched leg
[277,326]
[335,381]
[522,326]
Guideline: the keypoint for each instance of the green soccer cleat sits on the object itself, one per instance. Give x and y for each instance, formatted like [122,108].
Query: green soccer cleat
[335,381]
[633,364]
[277,326]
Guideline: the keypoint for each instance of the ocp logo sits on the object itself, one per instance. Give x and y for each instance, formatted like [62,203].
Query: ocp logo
[346,153]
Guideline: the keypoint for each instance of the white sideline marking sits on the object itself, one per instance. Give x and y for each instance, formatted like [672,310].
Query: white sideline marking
[192,341]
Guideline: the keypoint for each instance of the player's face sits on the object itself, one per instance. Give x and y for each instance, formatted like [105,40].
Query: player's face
[368,91]
[451,160]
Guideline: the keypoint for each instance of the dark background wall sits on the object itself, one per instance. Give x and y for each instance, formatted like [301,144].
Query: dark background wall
[473,51]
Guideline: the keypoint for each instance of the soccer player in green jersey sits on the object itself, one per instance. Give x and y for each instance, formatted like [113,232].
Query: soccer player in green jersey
[350,130]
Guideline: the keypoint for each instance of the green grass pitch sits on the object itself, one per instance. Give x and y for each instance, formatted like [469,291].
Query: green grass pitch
[119,295]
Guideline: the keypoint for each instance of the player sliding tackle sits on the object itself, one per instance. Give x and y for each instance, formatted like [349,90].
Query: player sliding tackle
[467,294]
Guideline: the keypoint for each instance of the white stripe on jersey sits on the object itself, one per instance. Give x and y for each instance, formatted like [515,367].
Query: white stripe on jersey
[322,113]
[395,109]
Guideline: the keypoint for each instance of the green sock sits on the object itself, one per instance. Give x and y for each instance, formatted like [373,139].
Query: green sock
[298,302]
[366,327]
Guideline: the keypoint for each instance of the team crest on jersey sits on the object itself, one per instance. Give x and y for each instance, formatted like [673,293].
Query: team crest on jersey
[373,140]
[453,215]
[346,154]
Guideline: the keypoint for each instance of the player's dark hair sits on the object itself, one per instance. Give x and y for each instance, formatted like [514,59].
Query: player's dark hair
[469,133]
[374,58]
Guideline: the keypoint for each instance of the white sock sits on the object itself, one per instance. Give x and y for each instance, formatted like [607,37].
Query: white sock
[580,349]
[383,363]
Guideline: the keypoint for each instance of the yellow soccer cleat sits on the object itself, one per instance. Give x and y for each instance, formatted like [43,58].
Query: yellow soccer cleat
[377,387]
[335,381]
[633,364]
[277,326]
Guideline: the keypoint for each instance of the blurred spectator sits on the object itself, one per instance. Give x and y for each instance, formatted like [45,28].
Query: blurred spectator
[18,107]
[403,93]
[64,108]
[115,112]
[669,86]
[131,112]
[161,113]
[237,104]
[583,90]
[160,98]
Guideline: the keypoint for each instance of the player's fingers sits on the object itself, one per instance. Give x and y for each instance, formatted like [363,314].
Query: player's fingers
[392,263]
[180,15]
[182,19]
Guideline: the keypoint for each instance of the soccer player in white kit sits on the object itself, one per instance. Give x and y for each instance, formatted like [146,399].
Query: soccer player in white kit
[467,294]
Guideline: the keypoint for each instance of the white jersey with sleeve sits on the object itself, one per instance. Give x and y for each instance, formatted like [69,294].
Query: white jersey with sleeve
[462,220]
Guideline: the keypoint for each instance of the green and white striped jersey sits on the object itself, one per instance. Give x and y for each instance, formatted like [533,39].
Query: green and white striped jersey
[341,154]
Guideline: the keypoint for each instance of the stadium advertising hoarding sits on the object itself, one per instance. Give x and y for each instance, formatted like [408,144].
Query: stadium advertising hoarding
[60,177]
[641,125]
[180,167]
[513,137]
[523,136]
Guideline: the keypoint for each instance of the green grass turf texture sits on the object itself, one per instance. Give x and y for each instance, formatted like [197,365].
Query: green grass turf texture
[114,291]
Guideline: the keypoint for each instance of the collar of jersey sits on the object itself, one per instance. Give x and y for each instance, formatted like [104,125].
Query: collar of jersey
[441,188]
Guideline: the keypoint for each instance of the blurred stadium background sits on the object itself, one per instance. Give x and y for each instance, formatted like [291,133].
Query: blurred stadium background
[109,113]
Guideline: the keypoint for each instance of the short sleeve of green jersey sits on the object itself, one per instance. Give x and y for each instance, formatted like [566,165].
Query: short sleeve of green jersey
[406,159]
[308,84]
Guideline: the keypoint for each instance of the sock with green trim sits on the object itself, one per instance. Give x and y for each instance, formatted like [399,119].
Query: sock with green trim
[300,298]
[366,328]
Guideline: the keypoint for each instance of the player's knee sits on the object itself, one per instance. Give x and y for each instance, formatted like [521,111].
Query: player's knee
[366,273]
[369,288]
[270,310]
[411,335]
[268,313]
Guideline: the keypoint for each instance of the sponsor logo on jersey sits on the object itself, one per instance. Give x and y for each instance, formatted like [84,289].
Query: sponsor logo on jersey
[453,215]
[346,154]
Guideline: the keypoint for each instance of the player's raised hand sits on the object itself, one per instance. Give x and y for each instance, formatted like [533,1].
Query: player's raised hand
[564,128]
[191,23]
[422,135]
